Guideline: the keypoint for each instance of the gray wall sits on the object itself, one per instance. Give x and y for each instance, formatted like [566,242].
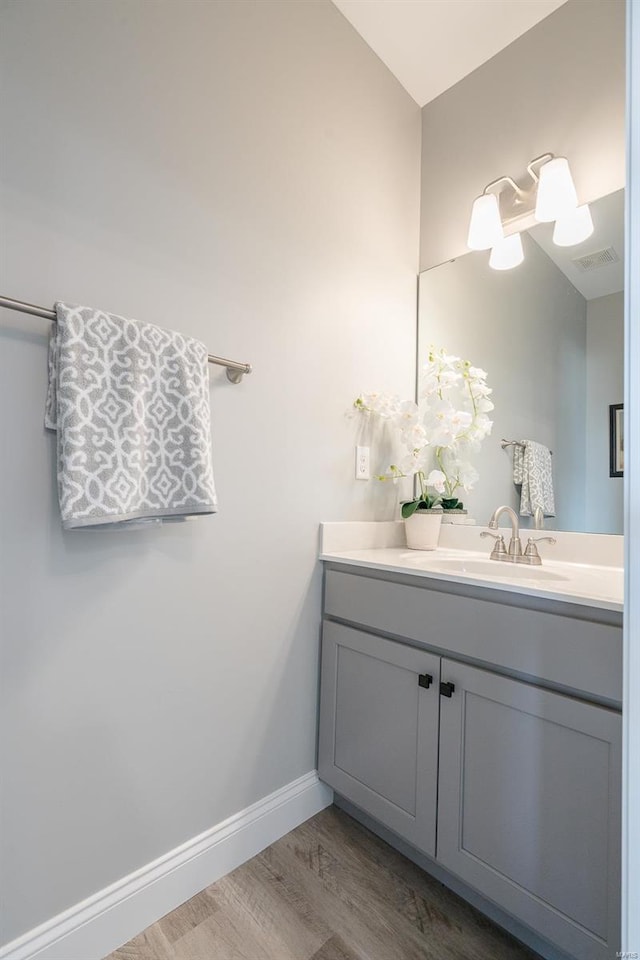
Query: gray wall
[605,379]
[560,88]
[249,174]
[527,328]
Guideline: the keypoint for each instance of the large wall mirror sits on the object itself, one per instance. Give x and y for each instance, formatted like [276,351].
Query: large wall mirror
[550,334]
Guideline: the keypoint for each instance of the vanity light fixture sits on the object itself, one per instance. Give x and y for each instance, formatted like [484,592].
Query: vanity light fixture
[485,228]
[573,227]
[507,253]
[504,209]
[556,195]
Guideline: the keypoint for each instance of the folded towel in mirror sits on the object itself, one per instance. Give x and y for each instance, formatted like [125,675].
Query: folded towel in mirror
[532,469]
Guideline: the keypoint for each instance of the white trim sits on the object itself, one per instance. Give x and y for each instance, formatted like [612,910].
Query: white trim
[93,928]
[631,695]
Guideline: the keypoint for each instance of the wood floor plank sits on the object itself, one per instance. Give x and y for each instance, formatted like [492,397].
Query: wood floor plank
[424,901]
[327,901]
[286,889]
[440,901]
[355,883]
[222,937]
[448,926]
[336,949]
[357,917]
[329,890]
[151,944]
[188,916]
[289,934]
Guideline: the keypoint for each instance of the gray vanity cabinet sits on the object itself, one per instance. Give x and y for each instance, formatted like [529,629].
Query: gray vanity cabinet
[506,774]
[379,729]
[529,805]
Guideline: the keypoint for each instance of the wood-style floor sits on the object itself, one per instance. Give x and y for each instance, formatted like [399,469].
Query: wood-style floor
[329,890]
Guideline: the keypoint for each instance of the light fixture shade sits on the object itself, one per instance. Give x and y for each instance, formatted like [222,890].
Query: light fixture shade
[485,227]
[556,191]
[507,253]
[573,227]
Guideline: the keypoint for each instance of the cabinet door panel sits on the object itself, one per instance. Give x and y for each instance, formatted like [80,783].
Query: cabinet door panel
[529,805]
[379,729]
[376,742]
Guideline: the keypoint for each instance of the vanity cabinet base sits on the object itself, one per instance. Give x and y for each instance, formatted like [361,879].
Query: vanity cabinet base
[510,786]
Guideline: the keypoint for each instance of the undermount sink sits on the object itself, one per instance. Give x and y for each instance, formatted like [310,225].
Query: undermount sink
[496,568]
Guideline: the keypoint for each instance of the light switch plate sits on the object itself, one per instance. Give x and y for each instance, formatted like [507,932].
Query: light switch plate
[362,463]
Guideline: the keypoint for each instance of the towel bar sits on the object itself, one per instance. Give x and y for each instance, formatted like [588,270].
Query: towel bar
[514,443]
[235,370]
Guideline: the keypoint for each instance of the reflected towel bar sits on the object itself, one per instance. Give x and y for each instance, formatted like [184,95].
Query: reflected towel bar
[235,370]
[512,443]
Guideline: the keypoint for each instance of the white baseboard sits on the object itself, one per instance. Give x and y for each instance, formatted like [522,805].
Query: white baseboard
[92,929]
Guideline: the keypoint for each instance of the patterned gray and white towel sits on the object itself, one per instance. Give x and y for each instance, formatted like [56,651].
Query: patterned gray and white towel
[532,468]
[130,404]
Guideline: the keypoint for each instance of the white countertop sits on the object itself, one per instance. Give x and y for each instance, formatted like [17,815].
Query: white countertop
[585,584]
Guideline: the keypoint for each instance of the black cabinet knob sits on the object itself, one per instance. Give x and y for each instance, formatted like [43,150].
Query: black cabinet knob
[425,680]
[446,689]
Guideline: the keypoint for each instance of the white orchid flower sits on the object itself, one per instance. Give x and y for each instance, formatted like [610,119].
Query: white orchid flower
[412,462]
[448,359]
[480,390]
[382,404]
[408,414]
[448,378]
[437,480]
[429,381]
[440,409]
[481,428]
[467,475]
[460,420]
[443,435]
[387,406]
[414,436]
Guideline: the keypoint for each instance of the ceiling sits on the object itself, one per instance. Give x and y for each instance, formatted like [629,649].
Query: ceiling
[429,45]
[608,231]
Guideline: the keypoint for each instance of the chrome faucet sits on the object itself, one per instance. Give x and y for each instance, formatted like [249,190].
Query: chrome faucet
[531,554]
[538,519]
[514,553]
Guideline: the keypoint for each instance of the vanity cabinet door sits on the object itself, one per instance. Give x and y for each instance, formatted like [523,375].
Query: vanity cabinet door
[529,805]
[379,707]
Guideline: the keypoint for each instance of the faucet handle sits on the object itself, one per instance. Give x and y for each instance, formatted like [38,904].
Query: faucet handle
[499,551]
[531,551]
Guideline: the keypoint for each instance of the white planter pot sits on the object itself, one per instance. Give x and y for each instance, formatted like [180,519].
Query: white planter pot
[423,530]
